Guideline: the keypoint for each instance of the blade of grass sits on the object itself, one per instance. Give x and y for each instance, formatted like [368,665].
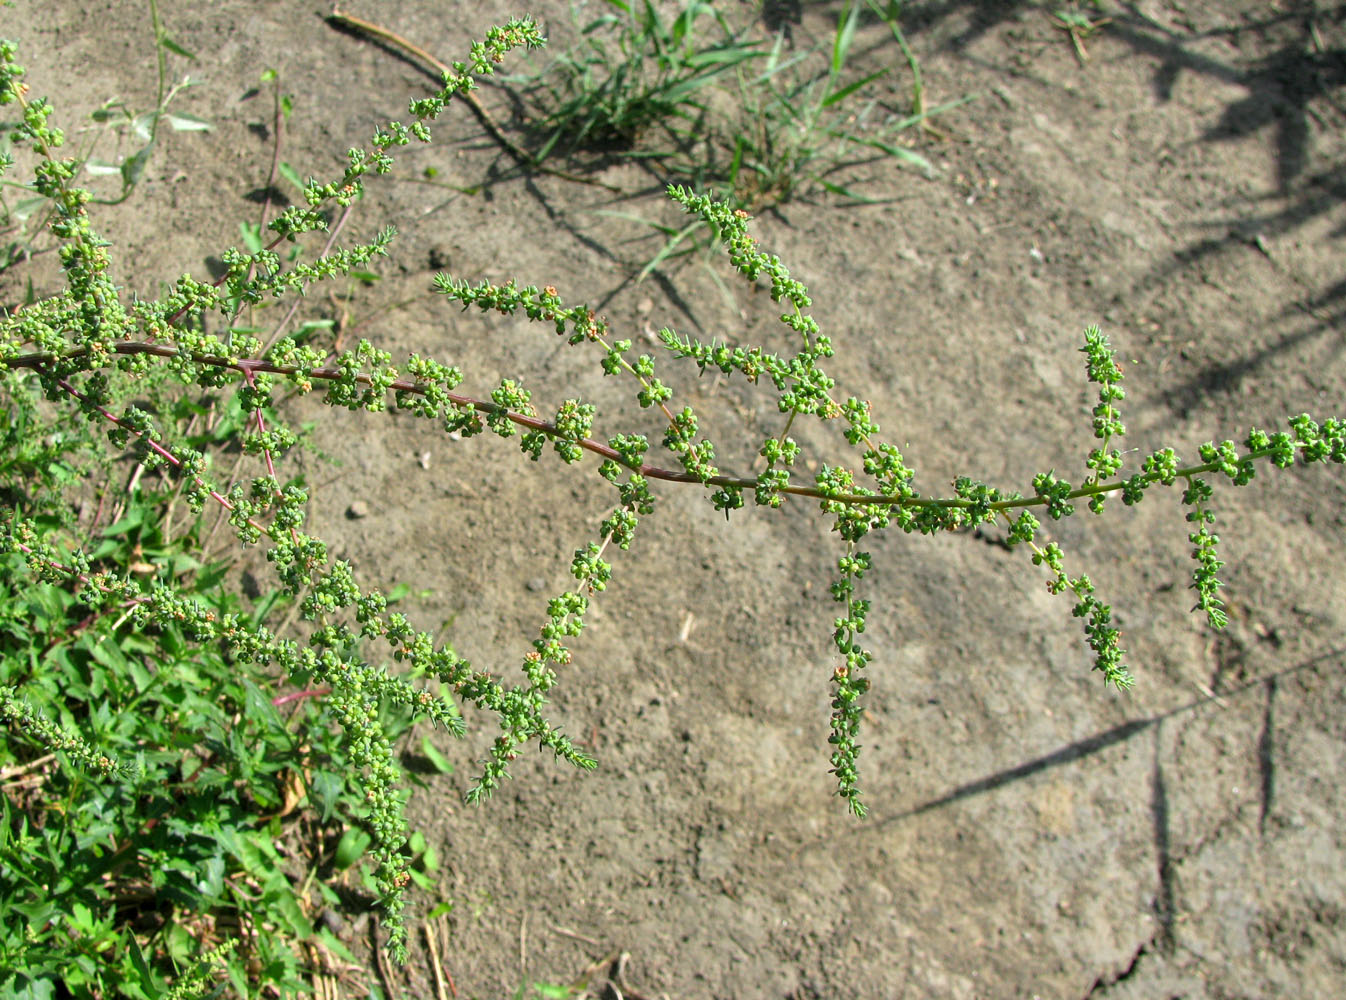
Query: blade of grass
[901,153]
[851,88]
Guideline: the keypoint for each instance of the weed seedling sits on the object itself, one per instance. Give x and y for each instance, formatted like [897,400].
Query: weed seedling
[1080,27]
[633,70]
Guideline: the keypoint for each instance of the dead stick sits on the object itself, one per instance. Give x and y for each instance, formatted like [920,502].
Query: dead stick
[444,933]
[523,945]
[379,965]
[434,961]
[567,932]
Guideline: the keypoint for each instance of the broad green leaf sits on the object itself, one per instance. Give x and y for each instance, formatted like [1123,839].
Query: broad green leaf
[106,651]
[334,945]
[134,517]
[143,125]
[252,236]
[423,881]
[327,788]
[351,848]
[134,167]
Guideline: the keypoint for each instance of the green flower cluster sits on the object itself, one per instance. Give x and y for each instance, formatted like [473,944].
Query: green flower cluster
[86,327]
[15,711]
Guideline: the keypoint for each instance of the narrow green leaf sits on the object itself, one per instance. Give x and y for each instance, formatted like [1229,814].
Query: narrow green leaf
[183,122]
[845,192]
[27,206]
[290,174]
[100,168]
[175,48]
[851,88]
[668,249]
[726,57]
[906,123]
[311,326]
[898,152]
[841,43]
[440,763]
[599,22]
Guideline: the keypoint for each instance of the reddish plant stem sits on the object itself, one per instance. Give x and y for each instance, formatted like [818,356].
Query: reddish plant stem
[285,699]
[248,366]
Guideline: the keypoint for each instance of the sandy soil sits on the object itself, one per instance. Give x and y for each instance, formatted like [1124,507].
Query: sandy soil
[1032,835]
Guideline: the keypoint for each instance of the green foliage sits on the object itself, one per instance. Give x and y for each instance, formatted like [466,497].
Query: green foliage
[633,70]
[176,779]
[743,118]
[799,127]
[136,132]
[176,794]
[40,451]
[544,991]
[122,647]
[1080,26]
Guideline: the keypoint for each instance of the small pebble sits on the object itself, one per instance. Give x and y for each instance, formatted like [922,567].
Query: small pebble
[536,584]
[357,510]
[332,921]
